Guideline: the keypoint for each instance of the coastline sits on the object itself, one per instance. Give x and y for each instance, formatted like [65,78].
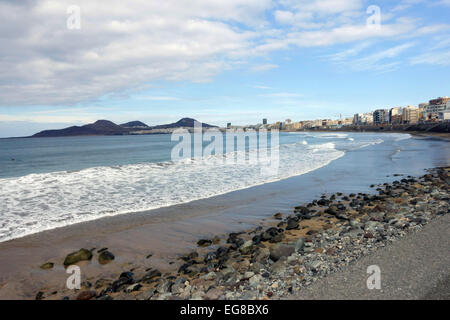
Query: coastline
[128,239]
[289,253]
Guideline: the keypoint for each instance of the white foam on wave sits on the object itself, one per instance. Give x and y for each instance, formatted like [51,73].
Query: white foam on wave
[401,136]
[333,135]
[39,202]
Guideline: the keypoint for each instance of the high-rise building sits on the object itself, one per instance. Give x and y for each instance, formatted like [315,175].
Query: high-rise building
[264,121]
[381,116]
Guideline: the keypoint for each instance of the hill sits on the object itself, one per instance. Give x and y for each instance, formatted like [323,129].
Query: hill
[106,128]
[182,123]
[134,125]
[100,127]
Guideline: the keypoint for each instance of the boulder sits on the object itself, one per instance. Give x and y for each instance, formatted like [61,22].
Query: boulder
[246,247]
[80,255]
[47,265]
[204,242]
[278,251]
[105,257]
[124,278]
[292,224]
[151,276]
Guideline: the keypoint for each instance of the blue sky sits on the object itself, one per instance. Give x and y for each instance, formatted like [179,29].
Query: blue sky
[217,61]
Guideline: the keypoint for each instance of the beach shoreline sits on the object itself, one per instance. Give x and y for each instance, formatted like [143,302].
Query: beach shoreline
[290,252]
[126,239]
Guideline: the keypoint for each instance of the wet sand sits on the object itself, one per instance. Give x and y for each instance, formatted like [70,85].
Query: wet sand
[167,233]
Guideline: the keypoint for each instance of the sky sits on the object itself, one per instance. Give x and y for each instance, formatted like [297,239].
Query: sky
[218,61]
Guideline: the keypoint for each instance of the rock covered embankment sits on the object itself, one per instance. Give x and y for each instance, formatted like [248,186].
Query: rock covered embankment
[279,260]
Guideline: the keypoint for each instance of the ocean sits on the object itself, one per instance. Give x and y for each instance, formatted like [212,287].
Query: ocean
[46,183]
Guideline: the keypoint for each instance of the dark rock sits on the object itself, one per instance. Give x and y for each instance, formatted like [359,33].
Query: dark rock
[256,239]
[105,257]
[190,256]
[332,210]
[323,202]
[204,242]
[301,209]
[277,238]
[151,276]
[124,278]
[278,216]
[47,265]
[291,224]
[80,255]
[269,234]
[222,251]
[184,269]
[341,216]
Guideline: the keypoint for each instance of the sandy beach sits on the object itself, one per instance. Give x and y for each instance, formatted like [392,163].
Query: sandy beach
[155,241]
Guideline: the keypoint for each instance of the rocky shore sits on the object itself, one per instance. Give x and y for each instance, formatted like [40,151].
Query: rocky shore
[289,253]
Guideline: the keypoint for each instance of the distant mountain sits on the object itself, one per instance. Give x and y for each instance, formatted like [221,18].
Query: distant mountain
[134,125]
[100,127]
[184,122]
[107,128]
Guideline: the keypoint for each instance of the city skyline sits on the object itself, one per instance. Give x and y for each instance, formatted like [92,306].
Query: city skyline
[217,62]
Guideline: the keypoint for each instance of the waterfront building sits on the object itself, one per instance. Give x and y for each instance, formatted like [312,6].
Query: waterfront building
[435,107]
[395,115]
[411,115]
[380,116]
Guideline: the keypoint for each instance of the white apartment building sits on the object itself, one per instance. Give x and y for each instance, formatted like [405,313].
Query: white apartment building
[436,107]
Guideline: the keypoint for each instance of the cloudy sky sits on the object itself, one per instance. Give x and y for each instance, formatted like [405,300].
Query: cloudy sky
[216,60]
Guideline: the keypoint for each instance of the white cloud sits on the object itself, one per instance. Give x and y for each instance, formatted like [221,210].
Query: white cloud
[263,67]
[380,62]
[433,58]
[118,47]
[124,47]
